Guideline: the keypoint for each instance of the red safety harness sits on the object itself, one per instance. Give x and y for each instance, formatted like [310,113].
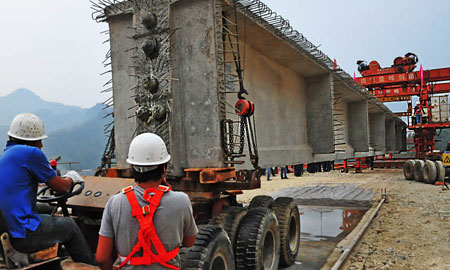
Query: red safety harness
[147,234]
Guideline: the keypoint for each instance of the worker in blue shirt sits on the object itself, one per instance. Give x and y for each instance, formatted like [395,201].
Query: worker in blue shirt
[22,167]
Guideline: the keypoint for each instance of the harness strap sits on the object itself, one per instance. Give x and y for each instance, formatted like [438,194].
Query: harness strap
[147,234]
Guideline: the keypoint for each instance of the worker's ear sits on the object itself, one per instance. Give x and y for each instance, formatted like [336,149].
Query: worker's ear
[38,144]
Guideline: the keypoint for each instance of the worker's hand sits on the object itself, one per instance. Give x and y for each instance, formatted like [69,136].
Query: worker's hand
[76,177]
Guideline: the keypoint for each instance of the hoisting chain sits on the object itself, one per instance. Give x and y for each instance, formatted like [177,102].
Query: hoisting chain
[247,126]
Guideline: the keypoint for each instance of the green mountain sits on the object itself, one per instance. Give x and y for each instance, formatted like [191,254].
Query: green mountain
[55,115]
[3,136]
[82,143]
[74,133]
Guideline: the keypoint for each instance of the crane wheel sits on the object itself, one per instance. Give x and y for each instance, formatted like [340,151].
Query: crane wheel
[418,170]
[258,241]
[440,171]
[212,251]
[288,217]
[261,201]
[408,169]
[429,172]
[229,220]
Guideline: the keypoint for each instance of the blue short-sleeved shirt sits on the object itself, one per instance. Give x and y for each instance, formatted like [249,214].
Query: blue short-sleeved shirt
[22,167]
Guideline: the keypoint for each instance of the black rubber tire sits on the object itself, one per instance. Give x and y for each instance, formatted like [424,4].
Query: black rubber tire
[312,168]
[440,171]
[211,251]
[418,170]
[429,172]
[229,220]
[288,217]
[258,241]
[328,166]
[408,169]
[53,265]
[298,170]
[261,201]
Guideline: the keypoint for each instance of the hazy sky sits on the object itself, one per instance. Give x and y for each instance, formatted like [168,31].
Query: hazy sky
[55,49]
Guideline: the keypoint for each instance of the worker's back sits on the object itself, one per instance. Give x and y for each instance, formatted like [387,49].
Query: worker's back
[21,168]
[173,220]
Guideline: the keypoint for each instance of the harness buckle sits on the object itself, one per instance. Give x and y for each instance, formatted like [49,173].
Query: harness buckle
[146,210]
[127,189]
[163,188]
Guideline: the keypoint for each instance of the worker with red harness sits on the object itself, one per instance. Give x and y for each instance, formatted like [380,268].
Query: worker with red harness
[418,110]
[146,223]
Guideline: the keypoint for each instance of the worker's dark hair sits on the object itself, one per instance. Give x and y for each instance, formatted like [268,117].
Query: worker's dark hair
[19,141]
[153,175]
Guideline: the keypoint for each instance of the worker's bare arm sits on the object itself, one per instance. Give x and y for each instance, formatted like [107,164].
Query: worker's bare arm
[60,184]
[104,254]
[189,241]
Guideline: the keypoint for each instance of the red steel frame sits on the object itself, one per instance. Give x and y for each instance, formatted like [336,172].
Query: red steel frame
[391,84]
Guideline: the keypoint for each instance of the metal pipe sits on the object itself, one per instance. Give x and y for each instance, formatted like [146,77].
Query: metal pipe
[347,251]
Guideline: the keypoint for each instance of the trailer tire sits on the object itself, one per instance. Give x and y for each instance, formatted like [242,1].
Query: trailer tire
[229,220]
[298,170]
[418,170]
[289,223]
[429,172]
[212,250]
[258,241]
[408,169]
[440,171]
[261,201]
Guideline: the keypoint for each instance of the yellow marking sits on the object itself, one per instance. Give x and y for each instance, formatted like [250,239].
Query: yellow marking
[446,159]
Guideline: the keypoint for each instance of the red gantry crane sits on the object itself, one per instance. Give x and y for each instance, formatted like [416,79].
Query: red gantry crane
[399,83]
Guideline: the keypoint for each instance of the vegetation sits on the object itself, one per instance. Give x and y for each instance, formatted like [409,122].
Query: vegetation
[74,133]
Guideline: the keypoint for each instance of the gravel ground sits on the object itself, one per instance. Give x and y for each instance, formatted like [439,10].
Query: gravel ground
[411,231]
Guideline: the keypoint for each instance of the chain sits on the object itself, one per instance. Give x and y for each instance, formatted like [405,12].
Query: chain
[227,130]
[230,137]
[251,140]
[242,135]
[246,129]
[253,135]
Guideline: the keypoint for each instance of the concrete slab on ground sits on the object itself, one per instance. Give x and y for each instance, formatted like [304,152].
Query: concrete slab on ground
[347,195]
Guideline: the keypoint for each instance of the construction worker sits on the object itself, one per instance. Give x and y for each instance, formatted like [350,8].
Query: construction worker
[283,173]
[268,173]
[22,167]
[162,218]
[418,112]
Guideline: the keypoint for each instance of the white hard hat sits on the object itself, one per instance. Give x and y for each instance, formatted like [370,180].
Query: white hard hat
[27,127]
[148,150]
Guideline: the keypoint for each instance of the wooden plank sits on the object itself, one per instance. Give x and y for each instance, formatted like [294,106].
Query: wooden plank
[210,176]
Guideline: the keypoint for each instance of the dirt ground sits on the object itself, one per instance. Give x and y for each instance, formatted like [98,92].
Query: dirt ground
[411,231]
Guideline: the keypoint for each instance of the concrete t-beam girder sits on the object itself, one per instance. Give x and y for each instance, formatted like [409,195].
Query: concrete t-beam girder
[122,83]
[319,114]
[390,135]
[350,112]
[359,127]
[400,136]
[304,110]
[377,131]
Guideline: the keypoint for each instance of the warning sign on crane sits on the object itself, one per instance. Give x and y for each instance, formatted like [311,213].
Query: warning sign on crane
[446,158]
